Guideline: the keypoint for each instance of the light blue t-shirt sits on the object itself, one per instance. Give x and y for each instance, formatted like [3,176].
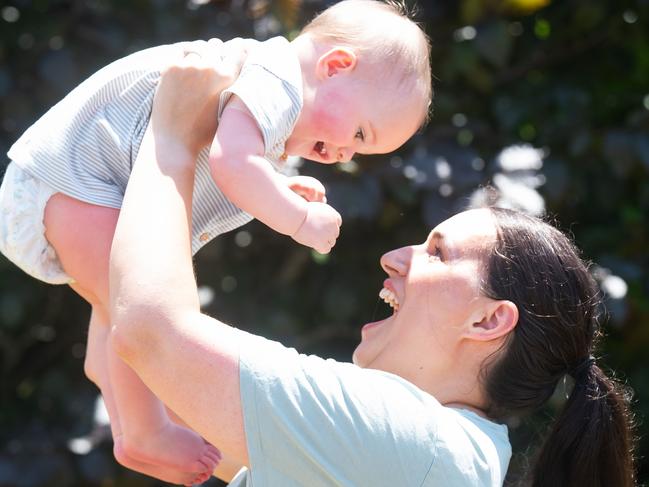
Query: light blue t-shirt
[316,423]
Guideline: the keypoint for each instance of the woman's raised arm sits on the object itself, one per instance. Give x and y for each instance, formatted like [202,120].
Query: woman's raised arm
[190,361]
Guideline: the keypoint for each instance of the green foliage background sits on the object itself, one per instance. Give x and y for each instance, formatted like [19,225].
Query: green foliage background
[570,78]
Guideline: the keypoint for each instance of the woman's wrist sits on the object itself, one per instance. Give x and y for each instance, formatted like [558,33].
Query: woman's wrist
[171,152]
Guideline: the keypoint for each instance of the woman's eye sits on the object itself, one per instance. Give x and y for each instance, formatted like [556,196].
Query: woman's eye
[435,253]
[360,135]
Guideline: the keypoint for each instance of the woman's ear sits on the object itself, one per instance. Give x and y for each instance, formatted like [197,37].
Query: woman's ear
[499,318]
[335,61]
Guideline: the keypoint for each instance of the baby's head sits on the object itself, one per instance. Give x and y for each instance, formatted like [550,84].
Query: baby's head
[370,87]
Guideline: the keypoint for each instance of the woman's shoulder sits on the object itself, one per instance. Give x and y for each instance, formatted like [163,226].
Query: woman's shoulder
[470,448]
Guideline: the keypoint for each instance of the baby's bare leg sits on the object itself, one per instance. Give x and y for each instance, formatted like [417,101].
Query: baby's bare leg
[82,234]
[148,435]
[97,371]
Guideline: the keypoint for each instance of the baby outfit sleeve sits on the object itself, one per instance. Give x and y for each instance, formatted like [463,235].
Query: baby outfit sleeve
[270,85]
[315,422]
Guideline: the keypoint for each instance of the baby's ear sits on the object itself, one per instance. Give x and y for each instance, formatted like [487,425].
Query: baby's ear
[336,61]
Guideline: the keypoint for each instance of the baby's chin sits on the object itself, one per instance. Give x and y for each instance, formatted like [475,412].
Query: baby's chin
[306,155]
[310,157]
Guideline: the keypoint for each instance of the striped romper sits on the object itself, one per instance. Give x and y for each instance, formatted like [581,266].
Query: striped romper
[86,144]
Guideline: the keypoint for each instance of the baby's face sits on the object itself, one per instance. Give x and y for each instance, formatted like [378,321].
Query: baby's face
[350,115]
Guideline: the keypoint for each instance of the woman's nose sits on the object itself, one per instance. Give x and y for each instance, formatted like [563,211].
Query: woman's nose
[396,261]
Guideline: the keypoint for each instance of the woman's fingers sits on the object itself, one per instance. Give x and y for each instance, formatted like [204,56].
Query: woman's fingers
[188,94]
[227,58]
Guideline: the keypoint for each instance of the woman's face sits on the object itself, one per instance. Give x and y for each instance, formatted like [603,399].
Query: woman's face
[434,290]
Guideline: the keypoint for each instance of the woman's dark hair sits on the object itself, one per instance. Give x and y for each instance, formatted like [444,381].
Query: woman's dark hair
[537,267]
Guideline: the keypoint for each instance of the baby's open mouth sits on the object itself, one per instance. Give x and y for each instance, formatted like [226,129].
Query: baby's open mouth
[390,298]
[319,148]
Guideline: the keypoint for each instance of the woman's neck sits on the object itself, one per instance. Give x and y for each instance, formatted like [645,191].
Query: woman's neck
[455,386]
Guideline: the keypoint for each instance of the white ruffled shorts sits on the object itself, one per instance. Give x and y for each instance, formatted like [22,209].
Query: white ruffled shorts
[22,232]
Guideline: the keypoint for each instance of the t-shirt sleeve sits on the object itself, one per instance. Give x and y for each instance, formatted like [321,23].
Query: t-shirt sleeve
[316,422]
[270,86]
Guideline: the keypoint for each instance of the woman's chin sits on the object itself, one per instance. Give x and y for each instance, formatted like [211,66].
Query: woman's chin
[363,355]
[357,358]
[373,339]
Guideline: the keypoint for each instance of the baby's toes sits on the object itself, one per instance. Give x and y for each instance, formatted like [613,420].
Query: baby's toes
[200,478]
[213,452]
[209,459]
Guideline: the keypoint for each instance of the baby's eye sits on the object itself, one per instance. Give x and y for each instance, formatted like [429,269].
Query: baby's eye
[360,135]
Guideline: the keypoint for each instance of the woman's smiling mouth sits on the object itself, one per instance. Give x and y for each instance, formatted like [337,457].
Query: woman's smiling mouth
[390,298]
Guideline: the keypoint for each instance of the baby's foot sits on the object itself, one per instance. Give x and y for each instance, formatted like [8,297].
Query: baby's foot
[174,447]
[162,473]
[204,476]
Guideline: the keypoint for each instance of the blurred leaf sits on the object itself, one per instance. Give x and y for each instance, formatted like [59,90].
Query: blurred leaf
[588,15]
[524,7]
[464,63]
[356,198]
[319,258]
[11,310]
[471,11]
[435,209]
[542,28]
[642,149]
[494,43]
[288,12]
[621,150]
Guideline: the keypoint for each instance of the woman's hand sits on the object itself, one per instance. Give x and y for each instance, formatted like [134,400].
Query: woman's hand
[186,102]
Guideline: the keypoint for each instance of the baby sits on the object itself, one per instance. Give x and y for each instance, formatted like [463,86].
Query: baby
[356,80]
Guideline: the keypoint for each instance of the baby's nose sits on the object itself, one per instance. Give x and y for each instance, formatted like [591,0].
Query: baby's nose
[345,155]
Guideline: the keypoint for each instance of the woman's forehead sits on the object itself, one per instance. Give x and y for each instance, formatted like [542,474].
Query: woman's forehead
[473,227]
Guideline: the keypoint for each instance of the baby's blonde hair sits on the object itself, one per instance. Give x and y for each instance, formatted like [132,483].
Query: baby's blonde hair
[379,31]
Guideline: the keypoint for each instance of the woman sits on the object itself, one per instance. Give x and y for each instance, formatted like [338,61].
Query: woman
[489,314]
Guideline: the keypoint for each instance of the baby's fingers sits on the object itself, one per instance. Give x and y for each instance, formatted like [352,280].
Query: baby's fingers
[309,188]
[323,249]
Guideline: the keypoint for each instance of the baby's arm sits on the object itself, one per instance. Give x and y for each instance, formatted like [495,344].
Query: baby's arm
[250,182]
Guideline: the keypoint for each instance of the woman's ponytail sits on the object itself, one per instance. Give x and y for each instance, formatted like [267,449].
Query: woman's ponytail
[537,268]
[590,443]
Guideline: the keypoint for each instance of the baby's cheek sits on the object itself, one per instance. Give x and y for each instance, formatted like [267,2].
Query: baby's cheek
[325,124]
[329,119]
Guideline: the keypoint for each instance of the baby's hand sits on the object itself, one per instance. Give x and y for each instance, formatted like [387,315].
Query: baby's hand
[320,228]
[308,188]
